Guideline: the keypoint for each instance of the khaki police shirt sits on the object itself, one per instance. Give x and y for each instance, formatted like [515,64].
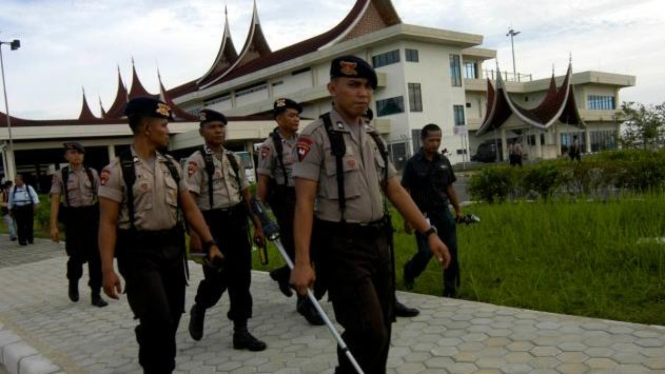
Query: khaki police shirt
[155,192]
[363,171]
[226,192]
[269,164]
[79,187]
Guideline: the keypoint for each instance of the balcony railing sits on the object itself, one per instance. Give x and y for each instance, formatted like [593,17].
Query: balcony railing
[508,76]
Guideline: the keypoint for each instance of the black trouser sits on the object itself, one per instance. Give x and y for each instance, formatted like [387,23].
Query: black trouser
[25,216]
[515,160]
[153,265]
[229,228]
[354,262]
[81,230]
[444,222]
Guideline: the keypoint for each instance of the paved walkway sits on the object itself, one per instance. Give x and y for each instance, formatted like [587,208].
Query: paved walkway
[450,336]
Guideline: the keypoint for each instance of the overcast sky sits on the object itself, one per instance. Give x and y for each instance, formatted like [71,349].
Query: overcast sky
[70,44]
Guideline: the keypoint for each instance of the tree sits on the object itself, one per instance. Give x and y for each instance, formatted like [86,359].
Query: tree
[641,125]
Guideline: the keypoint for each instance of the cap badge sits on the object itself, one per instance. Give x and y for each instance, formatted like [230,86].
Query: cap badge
[202,116]
[163,109]
[280,103]
[348,68]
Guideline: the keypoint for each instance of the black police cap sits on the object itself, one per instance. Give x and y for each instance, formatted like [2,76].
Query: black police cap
[353,67]
[209,115]
[76,146]
[281,105]
[147,107]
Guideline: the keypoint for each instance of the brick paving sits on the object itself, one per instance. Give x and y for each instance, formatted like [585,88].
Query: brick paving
[450,336]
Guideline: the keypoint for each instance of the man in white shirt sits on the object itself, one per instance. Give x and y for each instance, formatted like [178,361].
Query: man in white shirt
[23,202]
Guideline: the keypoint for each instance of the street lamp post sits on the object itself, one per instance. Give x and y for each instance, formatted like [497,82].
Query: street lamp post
[512,33]
[14,45]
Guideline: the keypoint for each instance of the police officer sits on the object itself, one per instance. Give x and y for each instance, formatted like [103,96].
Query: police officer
[79,213]
[23,203]
[342,164]
[275,186]
[429,178]
[140,192]
[401,310]
[219,186]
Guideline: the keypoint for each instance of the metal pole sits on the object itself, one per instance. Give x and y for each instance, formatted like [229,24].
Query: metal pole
[9,122]
[512,33]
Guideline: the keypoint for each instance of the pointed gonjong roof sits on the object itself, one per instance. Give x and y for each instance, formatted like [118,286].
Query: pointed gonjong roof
[365,17]
[137,89]
[118,106]
[226,56]
[86,113]
[558,105]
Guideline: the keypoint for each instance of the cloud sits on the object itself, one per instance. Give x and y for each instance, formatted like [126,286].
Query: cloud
[87,40]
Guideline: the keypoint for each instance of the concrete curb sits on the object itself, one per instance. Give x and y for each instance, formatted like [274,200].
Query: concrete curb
[20,358]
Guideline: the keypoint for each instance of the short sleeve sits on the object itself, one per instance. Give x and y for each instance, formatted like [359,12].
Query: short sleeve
[244,184]
[308,156]
[56,184]
[111,183]
[195,172]
[183,186]
[96,181]
[267,157]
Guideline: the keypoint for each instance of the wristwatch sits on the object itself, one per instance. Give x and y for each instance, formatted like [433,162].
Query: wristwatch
[430,231]
[208,245]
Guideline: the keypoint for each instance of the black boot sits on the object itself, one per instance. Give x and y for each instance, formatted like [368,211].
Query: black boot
[97,300]
[74,290]
[196,317]
[280,276]
[242,339]
[402,310]
[308,311]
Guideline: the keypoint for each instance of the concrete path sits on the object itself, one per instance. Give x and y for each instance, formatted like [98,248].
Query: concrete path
[41,331]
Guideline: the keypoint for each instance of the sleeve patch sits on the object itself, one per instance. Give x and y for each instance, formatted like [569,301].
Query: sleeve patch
[104,177]
[265,151]
[192,167]
[303,146]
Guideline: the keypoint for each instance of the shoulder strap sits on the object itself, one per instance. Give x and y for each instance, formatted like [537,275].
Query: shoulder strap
[210,170]
[235,166]
[93,185]
[176,177]
[65,180]
[129,177]
[383,151]
[277,141]
[338,149]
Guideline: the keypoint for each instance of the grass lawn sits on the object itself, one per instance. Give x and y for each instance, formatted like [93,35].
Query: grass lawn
[580,258]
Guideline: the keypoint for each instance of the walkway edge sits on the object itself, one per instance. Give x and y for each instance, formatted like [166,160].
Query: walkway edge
[20,358]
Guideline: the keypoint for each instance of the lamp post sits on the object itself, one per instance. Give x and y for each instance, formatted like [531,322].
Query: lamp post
[512,33]
[14,45]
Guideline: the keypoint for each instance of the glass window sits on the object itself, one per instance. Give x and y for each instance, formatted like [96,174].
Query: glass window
[595,102]
[390,106]
[459,115]
[415,140]
[470,71]
[387,58]
[415,97]
[412,55]
[455,71]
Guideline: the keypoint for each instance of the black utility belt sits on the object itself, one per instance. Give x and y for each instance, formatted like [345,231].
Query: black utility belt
[372,228]
[152,236]
[240,207]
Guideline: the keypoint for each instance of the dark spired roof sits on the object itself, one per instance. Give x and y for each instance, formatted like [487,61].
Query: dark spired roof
[86,113]
[137,89]
[101,107]
[226,56]
[557,105]
[178,112]
[350,26]
[256,48]
[118,106]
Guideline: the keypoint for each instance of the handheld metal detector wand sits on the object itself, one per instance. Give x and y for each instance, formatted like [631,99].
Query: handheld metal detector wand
[271,230]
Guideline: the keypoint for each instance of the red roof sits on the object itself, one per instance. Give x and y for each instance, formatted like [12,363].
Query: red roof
[384,8]
[118,106]
[86,113]
[137,89]
[557,105]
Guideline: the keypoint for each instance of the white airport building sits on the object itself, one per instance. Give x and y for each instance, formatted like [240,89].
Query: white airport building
[426,75]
